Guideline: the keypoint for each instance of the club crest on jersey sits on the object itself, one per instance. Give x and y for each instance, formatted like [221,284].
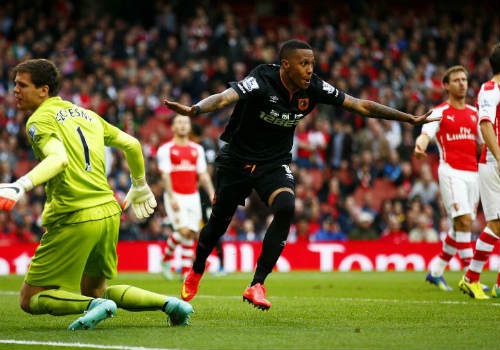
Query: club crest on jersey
[32,131]
[273,99]
[303,104]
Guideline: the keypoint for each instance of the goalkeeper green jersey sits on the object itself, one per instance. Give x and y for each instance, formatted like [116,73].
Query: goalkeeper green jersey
[82,184]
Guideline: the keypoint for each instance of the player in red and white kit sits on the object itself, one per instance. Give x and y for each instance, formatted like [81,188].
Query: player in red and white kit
[456,135]
[488,102]
[183,165]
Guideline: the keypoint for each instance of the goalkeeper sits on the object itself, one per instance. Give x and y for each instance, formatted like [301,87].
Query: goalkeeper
[77,253]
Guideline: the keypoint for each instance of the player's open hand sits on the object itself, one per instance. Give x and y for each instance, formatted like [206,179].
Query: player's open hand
[180,108]
[423,119]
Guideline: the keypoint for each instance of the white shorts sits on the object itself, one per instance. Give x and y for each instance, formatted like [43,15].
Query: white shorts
[489,187]
[459,191]
[189,213]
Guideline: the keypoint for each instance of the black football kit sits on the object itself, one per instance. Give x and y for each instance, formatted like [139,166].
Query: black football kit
[259,138]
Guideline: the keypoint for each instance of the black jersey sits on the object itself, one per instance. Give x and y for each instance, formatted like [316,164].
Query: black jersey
[262,125]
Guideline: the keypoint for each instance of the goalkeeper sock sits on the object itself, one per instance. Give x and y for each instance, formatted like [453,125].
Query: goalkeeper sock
[58,302]
[135,299]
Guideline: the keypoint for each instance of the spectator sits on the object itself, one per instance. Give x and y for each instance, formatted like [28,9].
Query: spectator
[425,188]
[363,229]
[340,146]
[394,234]
[247,232]
[423,232]
[329,231]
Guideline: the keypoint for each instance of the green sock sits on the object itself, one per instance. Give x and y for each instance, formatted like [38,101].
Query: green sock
[58,302]
[135,299]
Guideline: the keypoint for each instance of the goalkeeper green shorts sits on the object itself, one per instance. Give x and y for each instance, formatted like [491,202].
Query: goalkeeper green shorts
[83,243]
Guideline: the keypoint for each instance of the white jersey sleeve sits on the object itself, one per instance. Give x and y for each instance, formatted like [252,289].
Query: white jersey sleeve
[487,101]
[163,158]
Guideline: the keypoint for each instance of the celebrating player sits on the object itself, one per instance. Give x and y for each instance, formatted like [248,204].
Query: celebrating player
[77,252]
[270,102]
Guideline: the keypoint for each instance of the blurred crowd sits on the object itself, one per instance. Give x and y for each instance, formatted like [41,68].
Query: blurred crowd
[356,178]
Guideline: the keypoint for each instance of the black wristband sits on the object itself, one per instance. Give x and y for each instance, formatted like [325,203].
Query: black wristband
[197,109]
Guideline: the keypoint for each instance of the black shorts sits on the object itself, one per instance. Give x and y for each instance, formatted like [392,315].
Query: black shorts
[235,180]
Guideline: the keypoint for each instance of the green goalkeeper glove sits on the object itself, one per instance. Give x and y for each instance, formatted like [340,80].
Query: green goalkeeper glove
[10,193]
[142,199]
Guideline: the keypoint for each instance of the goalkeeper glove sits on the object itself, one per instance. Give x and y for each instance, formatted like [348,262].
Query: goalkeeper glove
[10,193]
[142,199]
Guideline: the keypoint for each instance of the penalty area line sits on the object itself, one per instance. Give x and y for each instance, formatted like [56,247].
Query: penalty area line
[77,345]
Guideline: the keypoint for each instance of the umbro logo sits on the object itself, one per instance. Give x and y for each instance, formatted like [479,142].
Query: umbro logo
[273,99]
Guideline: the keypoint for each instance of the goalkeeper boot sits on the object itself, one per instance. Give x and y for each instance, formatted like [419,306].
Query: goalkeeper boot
[98,310]
[178,312]
[256,295]
[438,281]
[167,270]
[190,285]
[474,289]
[495,291]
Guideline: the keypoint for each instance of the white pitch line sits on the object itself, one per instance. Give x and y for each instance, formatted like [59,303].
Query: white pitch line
[77,345]
[368,300]
[8,292]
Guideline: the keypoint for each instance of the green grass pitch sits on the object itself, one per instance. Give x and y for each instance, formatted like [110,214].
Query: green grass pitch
[310,310]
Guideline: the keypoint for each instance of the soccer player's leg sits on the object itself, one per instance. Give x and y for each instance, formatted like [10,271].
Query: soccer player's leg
[174,239]
[484,247]
[58,262]
[448,250]
[136,299]
[172,242]
[277,188]
[189,226]
[283,207]
[209,235]
[231,190]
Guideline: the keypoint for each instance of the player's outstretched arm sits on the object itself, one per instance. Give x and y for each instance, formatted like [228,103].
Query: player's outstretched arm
[209,104]
[376,110]
[55,160]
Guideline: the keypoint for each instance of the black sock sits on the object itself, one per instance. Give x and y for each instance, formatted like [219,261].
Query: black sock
[209,236]
[276,235]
